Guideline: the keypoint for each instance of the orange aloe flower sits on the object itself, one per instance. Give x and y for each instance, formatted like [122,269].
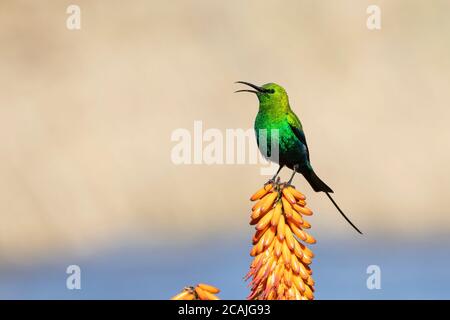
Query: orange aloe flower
[280,268]
[200,292]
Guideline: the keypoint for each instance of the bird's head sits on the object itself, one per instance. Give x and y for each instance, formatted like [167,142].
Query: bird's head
[268,94]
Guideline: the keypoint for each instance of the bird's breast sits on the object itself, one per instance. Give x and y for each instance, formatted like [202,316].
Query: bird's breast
[270,130]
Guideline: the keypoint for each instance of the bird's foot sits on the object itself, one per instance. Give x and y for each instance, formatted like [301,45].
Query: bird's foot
[273,181]
[288,184]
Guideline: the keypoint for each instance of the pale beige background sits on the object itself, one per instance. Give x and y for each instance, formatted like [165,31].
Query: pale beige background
[86,116]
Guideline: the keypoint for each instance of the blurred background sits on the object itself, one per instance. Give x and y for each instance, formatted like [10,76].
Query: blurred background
[86,118]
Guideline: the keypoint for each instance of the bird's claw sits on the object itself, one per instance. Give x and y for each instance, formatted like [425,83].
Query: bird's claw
[273,181]
[287,184]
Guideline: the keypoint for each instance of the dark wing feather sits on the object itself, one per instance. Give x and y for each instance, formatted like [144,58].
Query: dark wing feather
[296,127]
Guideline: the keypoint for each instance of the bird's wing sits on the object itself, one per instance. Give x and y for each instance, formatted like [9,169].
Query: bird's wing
[296,127]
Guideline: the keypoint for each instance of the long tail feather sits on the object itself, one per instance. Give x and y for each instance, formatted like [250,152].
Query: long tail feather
[315,182]
[342,213]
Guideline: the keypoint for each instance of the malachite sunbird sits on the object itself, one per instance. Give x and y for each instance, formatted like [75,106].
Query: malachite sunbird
[276,114]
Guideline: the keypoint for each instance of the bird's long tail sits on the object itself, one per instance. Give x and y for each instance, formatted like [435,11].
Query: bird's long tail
[342,213]
[318,185]
[315,182]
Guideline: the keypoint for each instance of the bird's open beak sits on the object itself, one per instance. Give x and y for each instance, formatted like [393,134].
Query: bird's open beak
[258,89]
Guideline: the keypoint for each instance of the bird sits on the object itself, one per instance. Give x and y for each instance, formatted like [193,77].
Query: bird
[275,113]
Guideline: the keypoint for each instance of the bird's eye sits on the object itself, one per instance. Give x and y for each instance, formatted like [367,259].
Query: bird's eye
[271,91]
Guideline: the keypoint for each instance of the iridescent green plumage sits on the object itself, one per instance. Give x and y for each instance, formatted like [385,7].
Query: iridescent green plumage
[276,120]
[275,114]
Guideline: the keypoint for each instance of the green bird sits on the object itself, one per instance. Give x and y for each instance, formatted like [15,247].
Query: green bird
[276,114]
